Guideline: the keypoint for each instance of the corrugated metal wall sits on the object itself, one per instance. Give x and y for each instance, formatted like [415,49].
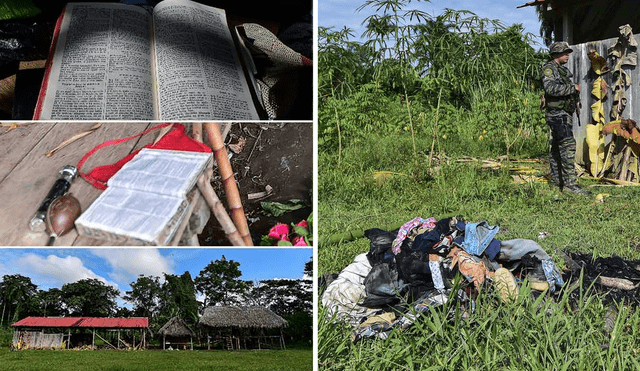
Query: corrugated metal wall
[37,340]
[580,65]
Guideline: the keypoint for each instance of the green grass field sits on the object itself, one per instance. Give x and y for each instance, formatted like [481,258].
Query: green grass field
[156,360]
[351,200]
[526,335]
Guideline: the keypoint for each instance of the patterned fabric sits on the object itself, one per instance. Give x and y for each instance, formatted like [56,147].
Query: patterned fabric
[478,236]
[560,95]
[552,274]
[471,267]
[279,76]
[562,151]
[436,274]
[559,90]
[431,300]
[419,223]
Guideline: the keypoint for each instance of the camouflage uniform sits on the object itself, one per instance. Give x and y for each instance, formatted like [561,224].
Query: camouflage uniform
[560,99]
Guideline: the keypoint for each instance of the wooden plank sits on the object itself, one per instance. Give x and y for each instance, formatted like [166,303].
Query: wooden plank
[26,174]
[580,65]
[17,142]
[28,182]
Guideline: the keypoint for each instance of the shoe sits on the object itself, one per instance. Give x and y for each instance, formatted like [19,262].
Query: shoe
[539,285]
[505,283]
[577,190]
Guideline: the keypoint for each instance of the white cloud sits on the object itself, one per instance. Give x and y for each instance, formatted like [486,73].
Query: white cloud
[127,264]
[55,271]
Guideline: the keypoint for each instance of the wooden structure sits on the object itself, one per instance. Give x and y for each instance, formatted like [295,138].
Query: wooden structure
[27,174]
[580,66]
[55,332]
[239,325]
[581,21]
[176,333]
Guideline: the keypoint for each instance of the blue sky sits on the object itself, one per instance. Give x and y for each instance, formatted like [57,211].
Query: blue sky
[340,13]
[119,267]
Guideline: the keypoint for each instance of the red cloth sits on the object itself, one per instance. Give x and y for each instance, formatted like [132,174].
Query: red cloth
[176,139]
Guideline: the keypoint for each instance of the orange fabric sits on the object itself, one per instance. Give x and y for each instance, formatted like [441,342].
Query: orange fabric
[469,267]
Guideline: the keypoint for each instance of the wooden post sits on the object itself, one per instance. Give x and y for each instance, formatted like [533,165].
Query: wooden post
[212,131]
[118,338]
[164,341]
[625,163]
[93,339]
[218,210]
[567,26]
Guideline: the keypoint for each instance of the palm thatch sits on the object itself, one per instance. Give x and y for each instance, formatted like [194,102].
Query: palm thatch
[241,317]
[176,327]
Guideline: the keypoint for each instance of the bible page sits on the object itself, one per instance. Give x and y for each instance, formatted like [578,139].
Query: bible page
[102,65]
[199,72]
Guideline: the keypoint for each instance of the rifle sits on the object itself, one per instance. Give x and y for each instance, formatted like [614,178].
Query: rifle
[578,106]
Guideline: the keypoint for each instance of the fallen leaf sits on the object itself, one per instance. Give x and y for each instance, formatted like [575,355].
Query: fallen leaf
[238,147]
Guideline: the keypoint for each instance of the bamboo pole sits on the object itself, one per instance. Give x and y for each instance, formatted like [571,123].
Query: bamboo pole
[103,339]
[212,131]
[218,210]
[196,127]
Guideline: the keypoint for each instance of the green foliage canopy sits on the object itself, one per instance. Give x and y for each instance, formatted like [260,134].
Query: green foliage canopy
[413,64]
[220,282]
[89,297]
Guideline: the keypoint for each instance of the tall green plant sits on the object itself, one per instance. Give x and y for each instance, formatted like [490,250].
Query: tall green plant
[392,36]
[343,69]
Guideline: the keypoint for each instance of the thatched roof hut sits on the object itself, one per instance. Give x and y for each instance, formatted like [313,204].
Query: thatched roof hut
[177,331]
[232,319]
[241,317]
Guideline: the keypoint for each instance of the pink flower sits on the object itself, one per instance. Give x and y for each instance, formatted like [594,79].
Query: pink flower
[303,224]
[299,241]
[279,232]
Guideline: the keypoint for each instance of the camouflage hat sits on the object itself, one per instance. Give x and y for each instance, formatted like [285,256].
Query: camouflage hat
[559,47]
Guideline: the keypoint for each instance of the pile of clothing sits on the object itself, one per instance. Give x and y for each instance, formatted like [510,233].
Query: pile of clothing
[413,269]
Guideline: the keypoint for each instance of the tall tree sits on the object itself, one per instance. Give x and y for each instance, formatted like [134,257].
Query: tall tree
[51,302]
[220,283]
[89,297]
[178,298]
[284,296]
[145,296]
[308,268]
[290,298]
[18,295]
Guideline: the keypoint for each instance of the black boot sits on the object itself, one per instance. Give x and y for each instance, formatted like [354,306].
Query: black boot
[576,189]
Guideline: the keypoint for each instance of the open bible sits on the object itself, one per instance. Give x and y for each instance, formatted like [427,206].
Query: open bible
[147,199]
[112,61]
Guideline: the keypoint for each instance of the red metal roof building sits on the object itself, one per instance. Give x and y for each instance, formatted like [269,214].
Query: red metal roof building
[47,322]
[25,337]
[83,322]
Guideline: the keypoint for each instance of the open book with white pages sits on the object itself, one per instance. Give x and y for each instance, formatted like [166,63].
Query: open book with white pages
[147,199]
[111,61]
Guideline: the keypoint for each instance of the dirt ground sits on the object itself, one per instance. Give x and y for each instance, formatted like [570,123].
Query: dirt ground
[279,155]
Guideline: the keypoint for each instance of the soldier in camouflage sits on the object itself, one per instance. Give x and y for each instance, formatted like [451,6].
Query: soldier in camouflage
[561,96]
